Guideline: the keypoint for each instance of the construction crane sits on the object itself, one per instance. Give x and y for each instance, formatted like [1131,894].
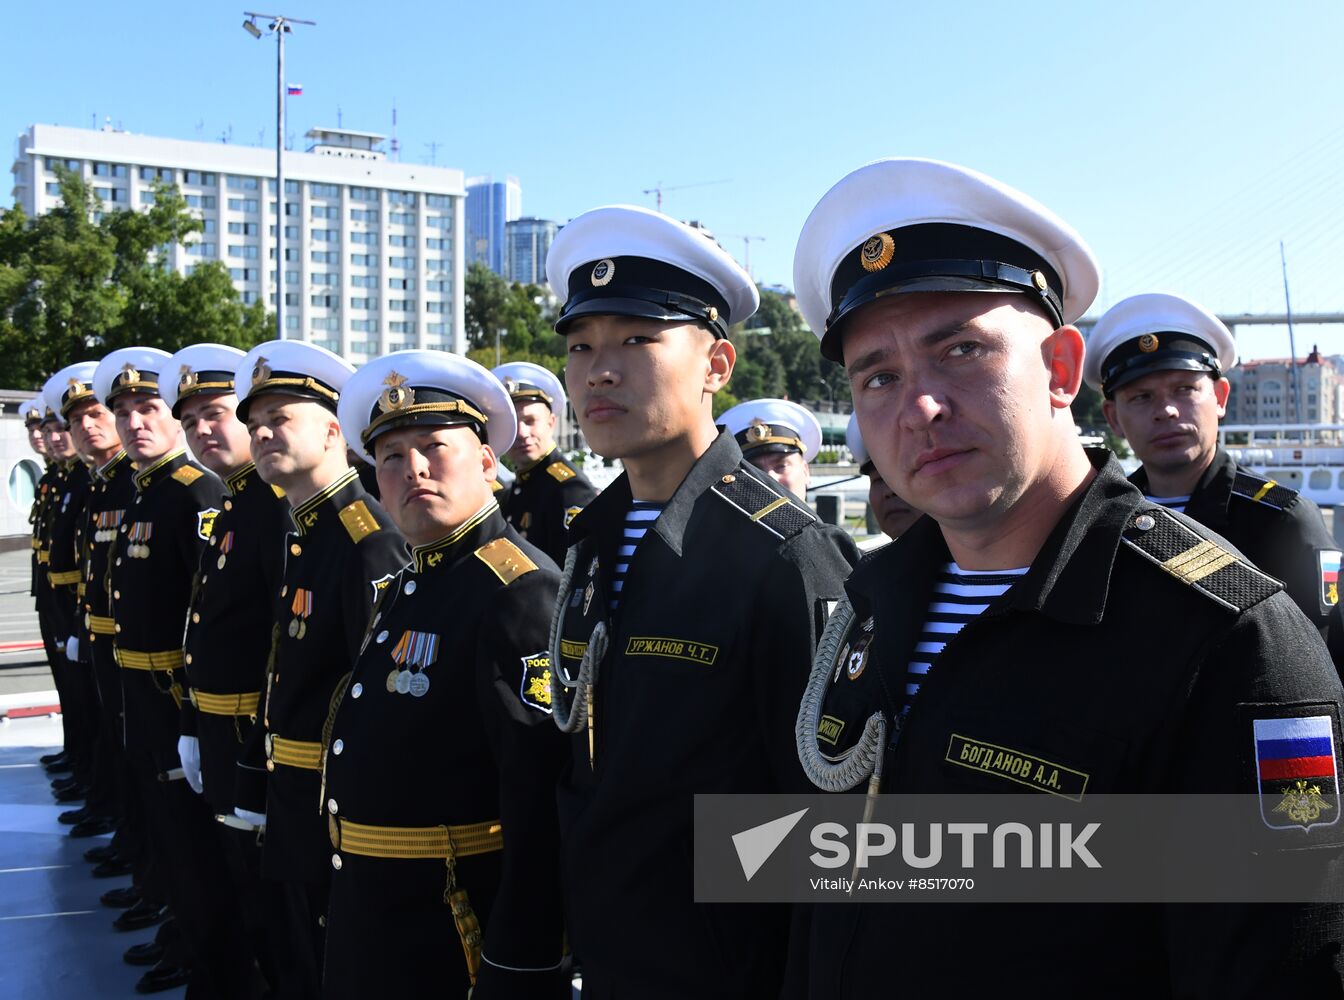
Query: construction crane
[659,188]
[746,246]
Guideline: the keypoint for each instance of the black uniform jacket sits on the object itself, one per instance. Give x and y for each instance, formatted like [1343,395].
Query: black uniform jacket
[470,616]
[342,552]
[37,517]
[49,490]
[706,661]
[544,498]
[154,558]
[229,629]
[1275,527]
[63,565]
[110,495]
[1140,677]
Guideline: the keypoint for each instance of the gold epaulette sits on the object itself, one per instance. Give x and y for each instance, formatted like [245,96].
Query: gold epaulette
[187,475]
[559,471]
[1263,491]
[359,521]
[280,494]
[1161,538]
[764,505]
[505,560]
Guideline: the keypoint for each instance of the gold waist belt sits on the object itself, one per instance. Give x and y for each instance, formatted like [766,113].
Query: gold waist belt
[130,659]
[416,842]
[43,556]
[296,753]
[100,626]
[66,579]
[226,704]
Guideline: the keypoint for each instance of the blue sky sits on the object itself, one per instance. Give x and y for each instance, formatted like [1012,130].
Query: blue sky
[1184,140]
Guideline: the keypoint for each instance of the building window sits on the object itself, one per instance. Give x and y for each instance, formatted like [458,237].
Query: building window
[401,241]
[291,232]
[325,301]
[246,250]
[438,264]
[439,222]
[203,249]
[440,243]
[364,325]
[438,201]
[437,284]
[324,190]
[291,277]
[54,188]
[243,228]
[364,259]
[364,302]
[325,256]
[363,194]
[401,305]
[439,328]
[248,205]
[401,284]
[325,235]
[401,197]
[324,211]
[368,239]
[236,183]
[249,298]
[156,174]
[401,218]
[364,281]
[324,323]
[291,187]
[292,208]
[436,307]
[203,179]
[400,326]
[363,215]
[208,226]
[325,278]
[403,262]
[243,273]
[202,201]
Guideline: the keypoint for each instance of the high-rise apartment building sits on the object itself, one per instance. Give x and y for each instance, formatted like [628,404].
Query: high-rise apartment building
[491,205]
[527,241]
[374,257]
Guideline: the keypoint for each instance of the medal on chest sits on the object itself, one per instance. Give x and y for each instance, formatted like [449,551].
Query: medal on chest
[225,547]
[302,606]
[137,537]
[413,650]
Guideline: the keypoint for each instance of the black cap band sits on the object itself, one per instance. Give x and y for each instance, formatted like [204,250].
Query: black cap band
[641,286]
[937,257]
[422,406]
[216,383]
[132,379]
[297,384]
[761,438]
[1155,352]
[75,393]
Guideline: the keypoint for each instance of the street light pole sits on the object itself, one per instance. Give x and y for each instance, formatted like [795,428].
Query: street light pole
[280,26]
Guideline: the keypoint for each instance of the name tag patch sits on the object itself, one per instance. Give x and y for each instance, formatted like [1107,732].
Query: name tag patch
[829,729]
[1016,766]
[677,649]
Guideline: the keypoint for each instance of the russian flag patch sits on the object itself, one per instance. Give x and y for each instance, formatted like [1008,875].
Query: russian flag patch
[1329,560]
[1295,767]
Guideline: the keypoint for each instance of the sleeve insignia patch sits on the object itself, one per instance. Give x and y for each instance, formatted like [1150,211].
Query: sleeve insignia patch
[380,584]
[559,471]
[1329,560]
[570,514]
[187,475]
[205,523]
[359,521]
[536,685]
[1295,768]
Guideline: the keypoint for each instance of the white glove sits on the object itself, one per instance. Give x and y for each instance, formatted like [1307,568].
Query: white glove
[189,749]
[256,819]
[72,648]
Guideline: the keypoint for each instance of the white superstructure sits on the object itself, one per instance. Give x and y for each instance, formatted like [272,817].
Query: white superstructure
[374,249]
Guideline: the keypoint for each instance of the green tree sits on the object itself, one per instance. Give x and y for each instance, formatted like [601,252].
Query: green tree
[806,374]
[519,311]
[76,283]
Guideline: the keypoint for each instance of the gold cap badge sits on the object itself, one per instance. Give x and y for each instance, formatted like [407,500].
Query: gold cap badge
[877,252]
[129,375]
[261,372]
[1148,343]
[187,378]
[603,271]
[396,396]
[759,430]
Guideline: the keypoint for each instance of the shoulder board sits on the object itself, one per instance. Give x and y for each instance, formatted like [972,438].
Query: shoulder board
[279,493]
[559,471]
[359,521]
[1160,537]
[772,510]
[187,475]
[506,560]
[1263,491]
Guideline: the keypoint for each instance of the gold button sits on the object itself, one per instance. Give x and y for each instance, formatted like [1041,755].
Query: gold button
[284,590]
[196,617]
[213,539]
[729,478]
[294,550]
[118,560]
[123,529]
[116,594]
[116,628]
[270,765]
[228,505]
[188,658]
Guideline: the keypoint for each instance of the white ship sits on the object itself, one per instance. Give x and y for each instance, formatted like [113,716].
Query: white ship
[1308,458]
